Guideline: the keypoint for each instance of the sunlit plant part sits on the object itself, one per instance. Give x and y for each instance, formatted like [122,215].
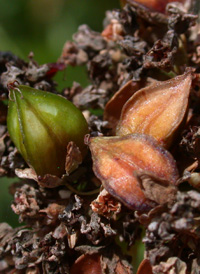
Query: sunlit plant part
[158,110]
[117,160]
[41,125]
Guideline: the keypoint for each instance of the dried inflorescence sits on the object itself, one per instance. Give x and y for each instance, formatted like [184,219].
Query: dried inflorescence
[144,87]
[173,235]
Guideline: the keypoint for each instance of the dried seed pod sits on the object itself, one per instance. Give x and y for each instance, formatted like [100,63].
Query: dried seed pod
[116,161]
[115,104]
[87,264]
[157,110]
[41,125]
[95,264]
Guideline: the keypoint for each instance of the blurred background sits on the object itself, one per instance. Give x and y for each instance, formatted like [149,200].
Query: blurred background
[43,26]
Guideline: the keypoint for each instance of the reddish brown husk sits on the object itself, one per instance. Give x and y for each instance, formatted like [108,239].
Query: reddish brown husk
[96,264]
[145,267]
[157,5]
[114,106]
[158,110]
[87,264]
[117,160]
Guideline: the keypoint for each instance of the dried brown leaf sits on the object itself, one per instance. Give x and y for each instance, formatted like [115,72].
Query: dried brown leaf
[153,187]
[73,158]
[48,180]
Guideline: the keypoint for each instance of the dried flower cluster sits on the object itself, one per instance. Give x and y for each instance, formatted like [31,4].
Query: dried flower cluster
[142,169]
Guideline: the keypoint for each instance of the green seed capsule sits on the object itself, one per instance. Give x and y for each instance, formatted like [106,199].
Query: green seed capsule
[41,124]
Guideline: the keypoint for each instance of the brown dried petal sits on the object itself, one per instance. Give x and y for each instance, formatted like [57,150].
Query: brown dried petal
[157,110]
[152,187]
[106,205]
[173,265]
[73,158]
[157,5]
[72,55]
[114,31]
[115,159]
[47,180]
[27,173]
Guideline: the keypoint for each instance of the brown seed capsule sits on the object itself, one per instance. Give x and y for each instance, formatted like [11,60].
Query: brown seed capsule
[145,267]
[157,110]
[87,264]
[116,161]
[115,104]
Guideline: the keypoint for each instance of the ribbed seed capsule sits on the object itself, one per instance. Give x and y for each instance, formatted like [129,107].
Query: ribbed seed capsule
[158,110]
[41,125]
[117,161]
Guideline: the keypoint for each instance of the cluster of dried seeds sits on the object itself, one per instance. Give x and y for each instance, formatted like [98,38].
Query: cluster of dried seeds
[141,171]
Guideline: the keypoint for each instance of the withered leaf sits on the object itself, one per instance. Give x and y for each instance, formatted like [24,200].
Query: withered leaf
[157,110]
[116,159]
[106,205]
[48,180]
[173,265]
